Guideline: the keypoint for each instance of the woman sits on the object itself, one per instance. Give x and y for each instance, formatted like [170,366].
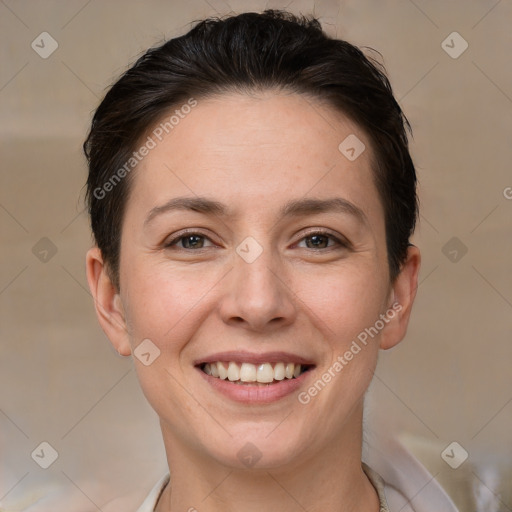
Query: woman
[252,197]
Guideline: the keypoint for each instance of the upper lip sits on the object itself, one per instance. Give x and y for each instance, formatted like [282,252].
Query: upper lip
[254,358]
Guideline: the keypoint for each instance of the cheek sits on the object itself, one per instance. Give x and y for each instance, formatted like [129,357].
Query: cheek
[343,305]
[164,303]
[166,307]
[345,301]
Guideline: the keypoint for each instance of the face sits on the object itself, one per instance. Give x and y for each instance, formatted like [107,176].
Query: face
[249,238]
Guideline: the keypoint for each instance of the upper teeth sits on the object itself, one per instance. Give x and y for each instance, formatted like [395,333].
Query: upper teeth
[248,372]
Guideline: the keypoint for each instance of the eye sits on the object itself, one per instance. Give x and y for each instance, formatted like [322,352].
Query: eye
[320,240]
[314,240]
[189,240]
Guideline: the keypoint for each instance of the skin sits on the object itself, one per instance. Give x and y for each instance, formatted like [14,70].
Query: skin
[255,153]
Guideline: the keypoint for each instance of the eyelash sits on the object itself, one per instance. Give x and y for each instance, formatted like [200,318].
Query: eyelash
[327,234]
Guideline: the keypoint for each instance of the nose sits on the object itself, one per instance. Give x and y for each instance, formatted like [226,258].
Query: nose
[257,296]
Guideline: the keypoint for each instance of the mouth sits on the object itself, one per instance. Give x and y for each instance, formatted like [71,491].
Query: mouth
[250,374]
[252,379]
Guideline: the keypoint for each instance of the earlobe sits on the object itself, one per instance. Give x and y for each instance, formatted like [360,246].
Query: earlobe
[107,302]
[402,298]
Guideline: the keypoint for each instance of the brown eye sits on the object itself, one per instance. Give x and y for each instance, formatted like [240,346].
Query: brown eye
[189,241]
[320,240]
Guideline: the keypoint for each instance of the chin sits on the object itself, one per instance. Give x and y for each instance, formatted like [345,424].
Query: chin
[252,448]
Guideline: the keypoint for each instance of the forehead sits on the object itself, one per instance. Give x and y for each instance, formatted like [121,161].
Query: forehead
[260,149]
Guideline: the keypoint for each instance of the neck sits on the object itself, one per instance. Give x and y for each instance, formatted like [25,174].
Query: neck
[329,481]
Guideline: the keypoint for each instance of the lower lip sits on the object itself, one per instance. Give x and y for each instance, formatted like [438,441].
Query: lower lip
[249,394]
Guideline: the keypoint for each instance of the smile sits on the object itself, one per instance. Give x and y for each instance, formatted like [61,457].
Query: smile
[251,378]
[247,373]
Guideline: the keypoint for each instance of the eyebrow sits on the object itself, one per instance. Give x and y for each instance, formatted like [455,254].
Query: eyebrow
[293,208]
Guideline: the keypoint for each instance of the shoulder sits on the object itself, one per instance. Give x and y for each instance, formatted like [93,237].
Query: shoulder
[404,484]
[149,504]
[390,499]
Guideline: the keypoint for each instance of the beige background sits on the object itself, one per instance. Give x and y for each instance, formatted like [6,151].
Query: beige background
[60,380]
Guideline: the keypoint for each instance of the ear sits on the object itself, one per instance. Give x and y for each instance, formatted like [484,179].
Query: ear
[402,297]
[107,302]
